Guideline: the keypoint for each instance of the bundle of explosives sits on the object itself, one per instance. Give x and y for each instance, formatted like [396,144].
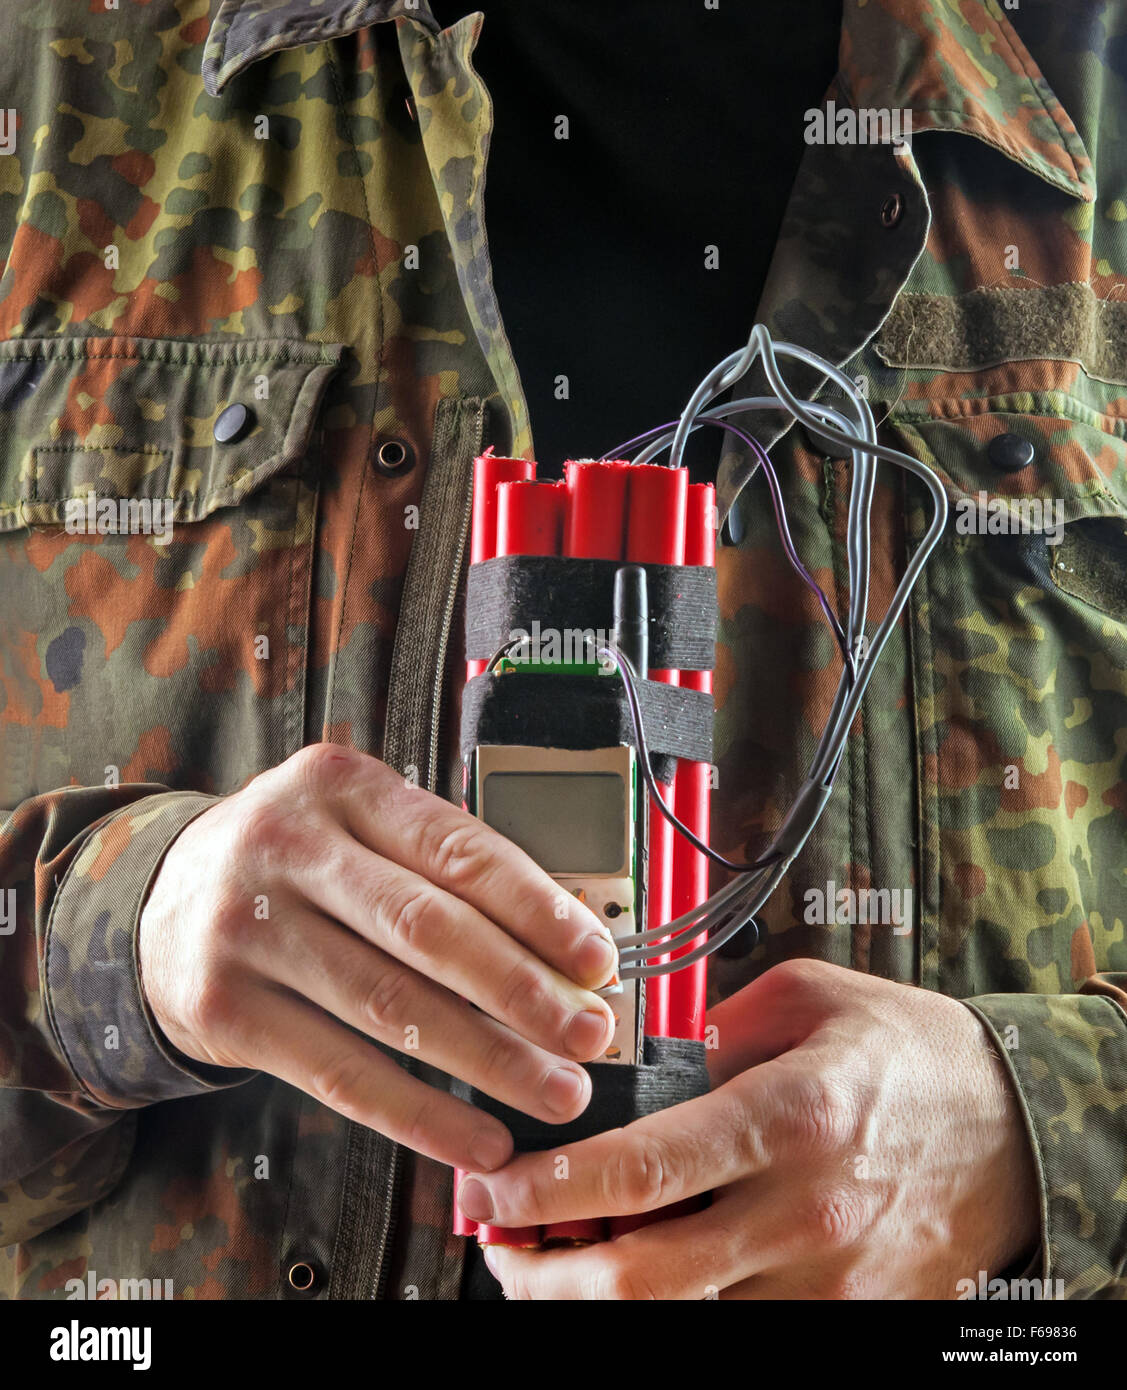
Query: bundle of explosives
[574,537]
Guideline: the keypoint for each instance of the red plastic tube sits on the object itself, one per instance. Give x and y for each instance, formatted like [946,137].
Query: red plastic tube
[655,534]
[530,518]
[488,471]
[596,509]
[530,521]
[658,501]
[688,987]
[595,529]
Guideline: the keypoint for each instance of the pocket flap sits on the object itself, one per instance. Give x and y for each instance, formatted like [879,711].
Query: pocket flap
[134,419]
[1078,466]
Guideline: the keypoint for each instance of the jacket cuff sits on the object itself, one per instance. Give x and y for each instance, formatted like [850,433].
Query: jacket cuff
[1067,1057]
[91,973]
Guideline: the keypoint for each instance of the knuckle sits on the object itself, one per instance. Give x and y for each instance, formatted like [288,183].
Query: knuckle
[382,1007]
[231,921]
[424,1123]
[504,1058]
[459,854]
[262,828]
[211,1008]
[619,1281]
[640,1177]
[799,975]
[337,1085]
[523,993]
[822,1116]
[838,1218]
[319,767]
[411,916]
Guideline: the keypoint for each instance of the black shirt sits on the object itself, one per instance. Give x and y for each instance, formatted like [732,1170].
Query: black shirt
[685,132]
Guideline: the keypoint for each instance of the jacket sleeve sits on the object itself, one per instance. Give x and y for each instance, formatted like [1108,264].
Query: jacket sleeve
[1067,1056]
[79,1049]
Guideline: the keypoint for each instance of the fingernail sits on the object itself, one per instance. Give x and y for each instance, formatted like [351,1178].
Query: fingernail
[475,1201]
[595,957]
[489,1150]
[586,1034]
[564,1091]
[490,1261]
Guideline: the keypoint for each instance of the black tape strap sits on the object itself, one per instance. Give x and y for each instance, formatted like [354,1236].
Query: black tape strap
[673,1071]
[567,710]
[564,595]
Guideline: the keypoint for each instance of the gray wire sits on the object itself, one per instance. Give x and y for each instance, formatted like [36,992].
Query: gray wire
[726,911]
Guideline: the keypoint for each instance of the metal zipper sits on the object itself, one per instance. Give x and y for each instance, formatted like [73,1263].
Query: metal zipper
[457,437]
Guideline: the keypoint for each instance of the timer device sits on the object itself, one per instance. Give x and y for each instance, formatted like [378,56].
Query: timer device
[575,812]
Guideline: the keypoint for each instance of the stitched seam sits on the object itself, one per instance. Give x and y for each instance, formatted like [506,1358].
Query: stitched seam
[1066,408]
[1005,37]
[33,495]
[75,348]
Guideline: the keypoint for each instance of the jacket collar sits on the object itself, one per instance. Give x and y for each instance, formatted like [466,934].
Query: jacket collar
[955,66]
[960,65]
[242,31]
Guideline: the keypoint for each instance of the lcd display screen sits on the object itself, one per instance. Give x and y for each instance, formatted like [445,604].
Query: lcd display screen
[569,822]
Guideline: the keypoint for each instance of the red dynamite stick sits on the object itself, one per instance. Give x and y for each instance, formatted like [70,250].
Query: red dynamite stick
[530,521]
[655,534]
[688,987]
[488,471]
[594,530]
[658,501]
[596,509]
[530,518]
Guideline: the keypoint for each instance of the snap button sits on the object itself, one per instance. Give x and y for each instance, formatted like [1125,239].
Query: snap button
[823,445]
[734,526]
[1010,452]
[233,423]
[302,1276]
[394,456]
[891,210]
[742,944]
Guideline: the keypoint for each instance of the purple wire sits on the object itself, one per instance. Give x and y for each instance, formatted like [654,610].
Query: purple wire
[780,519]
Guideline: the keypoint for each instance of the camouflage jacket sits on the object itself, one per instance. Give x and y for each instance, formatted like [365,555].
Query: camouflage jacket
[277,205]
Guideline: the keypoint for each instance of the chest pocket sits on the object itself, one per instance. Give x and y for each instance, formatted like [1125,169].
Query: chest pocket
[156,528]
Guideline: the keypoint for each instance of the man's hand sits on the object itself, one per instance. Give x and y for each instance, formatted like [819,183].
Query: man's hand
[329,900]
[861,1142]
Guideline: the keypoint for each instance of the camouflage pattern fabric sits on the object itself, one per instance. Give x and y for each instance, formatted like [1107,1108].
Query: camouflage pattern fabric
[278,204]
